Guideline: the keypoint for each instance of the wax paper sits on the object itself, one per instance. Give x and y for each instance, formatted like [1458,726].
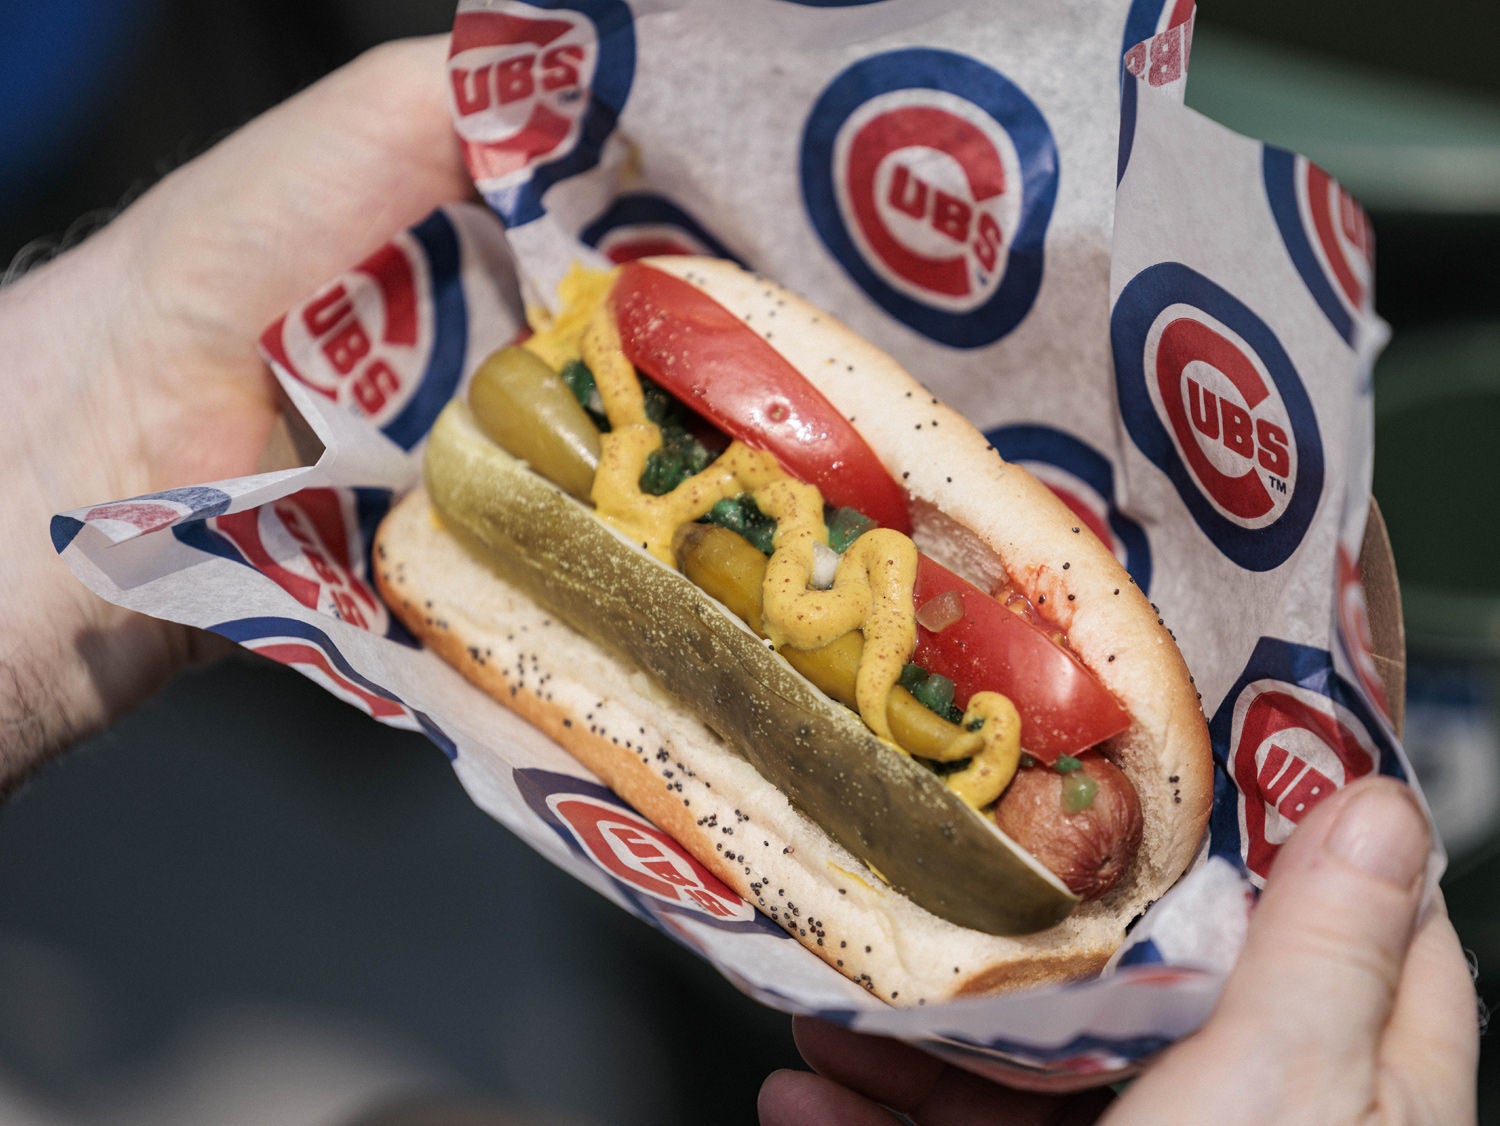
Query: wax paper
[1169,324]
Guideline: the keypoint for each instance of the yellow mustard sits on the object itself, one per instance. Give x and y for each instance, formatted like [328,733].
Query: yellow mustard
[872,587]
[555,339]
[995,747]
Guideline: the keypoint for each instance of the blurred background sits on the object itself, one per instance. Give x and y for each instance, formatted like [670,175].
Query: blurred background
[249,904]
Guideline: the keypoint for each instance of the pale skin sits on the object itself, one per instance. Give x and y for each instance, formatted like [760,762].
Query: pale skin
[1348,1005]
[131,366]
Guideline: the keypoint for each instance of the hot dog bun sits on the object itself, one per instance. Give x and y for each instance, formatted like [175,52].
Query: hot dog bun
[971,511]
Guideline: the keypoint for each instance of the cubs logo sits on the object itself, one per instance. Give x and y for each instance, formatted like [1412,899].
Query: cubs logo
[310,651]
[1163,59]
[535,90]
[651,868]
[312,544]
[1289,733]
[641,224]
[1147,50]
[387,339]
[1327,234]
[931,178]
[1083,479]
[1354,632]
[123,520]
[1147,18]
[1158,40]
[1209,395]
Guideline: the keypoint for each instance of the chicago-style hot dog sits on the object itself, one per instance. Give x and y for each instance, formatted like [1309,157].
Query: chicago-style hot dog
[884,685]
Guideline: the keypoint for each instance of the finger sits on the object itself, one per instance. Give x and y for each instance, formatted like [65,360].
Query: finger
[929,1091]
[888,1071]
[1316,982]
[794,1098]
[960,1098]
[1432,1040]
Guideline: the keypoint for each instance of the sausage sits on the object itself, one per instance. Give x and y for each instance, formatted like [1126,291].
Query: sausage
[1088,850]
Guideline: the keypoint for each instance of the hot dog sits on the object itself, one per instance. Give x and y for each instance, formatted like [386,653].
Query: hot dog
[900,560]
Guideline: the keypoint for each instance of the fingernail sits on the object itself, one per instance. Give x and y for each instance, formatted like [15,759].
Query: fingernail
[1384,833]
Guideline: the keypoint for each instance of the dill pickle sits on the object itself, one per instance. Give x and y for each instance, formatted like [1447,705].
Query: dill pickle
[891,812]
[527,409]
[731,568]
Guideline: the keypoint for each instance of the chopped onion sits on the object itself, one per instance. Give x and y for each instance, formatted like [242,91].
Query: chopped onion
[825,566]
[937,614]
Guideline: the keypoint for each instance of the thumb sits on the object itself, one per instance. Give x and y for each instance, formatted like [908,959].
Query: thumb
[1326,945]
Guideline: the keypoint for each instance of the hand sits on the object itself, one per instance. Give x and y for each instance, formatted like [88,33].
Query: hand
[131,361]
[1343,1007]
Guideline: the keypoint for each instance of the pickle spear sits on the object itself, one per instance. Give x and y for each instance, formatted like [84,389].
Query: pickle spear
[730,568]
[891,812]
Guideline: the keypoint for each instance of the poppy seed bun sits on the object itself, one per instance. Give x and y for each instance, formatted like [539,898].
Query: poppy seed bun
[972,511]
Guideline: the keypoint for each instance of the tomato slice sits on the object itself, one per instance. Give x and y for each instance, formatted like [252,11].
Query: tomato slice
[706,356]
[1064,708]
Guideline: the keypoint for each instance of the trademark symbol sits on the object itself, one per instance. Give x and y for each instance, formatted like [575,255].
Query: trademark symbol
[1276,483]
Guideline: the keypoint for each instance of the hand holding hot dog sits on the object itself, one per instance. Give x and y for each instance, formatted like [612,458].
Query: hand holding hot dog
[1347,1005]
[133,365]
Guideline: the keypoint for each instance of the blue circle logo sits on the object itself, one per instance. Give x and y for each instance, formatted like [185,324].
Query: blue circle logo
[1288,734]
[535,95]
[1083,479]
[644,224]
[1209,395]
[931,178]
[649,868]
[1327,234]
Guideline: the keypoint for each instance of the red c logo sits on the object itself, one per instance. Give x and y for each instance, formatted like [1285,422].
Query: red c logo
[939,236]
[358,339]
[302,543]
[1342,235]
[1289,754]
[518,88]
[1224,420]
[640,855]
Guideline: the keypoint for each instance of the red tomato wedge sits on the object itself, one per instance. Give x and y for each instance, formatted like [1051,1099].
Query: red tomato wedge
[707,357]
[1064,709]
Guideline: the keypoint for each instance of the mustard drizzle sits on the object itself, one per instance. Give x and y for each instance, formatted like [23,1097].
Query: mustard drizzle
[872,588]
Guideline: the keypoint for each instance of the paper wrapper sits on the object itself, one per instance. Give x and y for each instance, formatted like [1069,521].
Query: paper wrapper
[1168,323]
